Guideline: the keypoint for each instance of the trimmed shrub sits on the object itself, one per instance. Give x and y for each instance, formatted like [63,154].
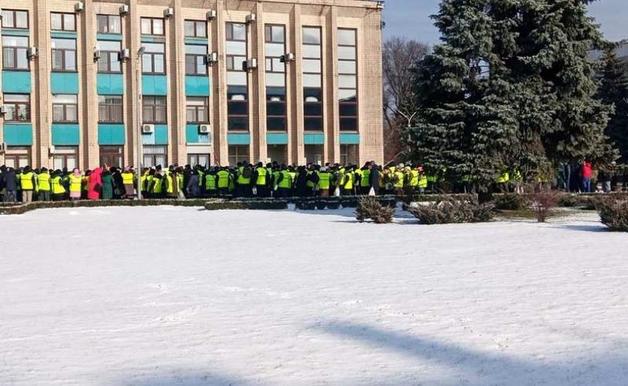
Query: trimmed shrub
[614,214]
[544,202]
[451,211]
[246,204]
[370,208]
[511,201]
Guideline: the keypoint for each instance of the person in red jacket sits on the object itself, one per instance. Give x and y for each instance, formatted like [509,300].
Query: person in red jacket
[587,173]
[94,184]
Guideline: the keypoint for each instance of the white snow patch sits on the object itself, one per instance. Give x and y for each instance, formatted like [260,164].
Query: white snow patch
[178,296]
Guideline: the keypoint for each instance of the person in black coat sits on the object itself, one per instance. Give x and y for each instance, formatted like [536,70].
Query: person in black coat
[10,185]
[375,177]
[301,182]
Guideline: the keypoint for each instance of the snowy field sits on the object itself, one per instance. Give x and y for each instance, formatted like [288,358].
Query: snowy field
[180,296]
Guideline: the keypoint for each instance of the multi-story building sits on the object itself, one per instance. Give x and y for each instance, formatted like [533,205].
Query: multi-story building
[193,81]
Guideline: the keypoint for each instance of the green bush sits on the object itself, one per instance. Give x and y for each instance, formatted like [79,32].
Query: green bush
[511,201]
[270,204]
[614,214]
[452,211]
[371,208]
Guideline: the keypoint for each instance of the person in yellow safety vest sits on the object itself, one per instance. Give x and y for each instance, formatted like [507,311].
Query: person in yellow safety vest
[144,182]
[293,178]
[502,181]
[76,184]
[365,182]
[171,184]
[422,180]
[84,184]
[128,178]
[261,179]
[276,174]
[324,182]
[223,178]
[518,181]
[211,186]
[399,179]
[157,186]
[284,183]
[413,180]
[27,184]
[347,182]
[56,186]
[43,185]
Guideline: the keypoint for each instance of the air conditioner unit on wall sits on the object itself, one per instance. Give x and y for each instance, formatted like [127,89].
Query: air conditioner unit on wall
[125,54]
[251,18]
[249,65]
[51,150]
[148,129]
[289,57]
[3,109]
[212,58]
[32,52]
[212,14]
[204,129]
[124,10]
[96,55]
[79,7]
[168,12]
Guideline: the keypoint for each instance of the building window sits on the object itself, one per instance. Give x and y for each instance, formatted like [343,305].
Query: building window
[348,79]
[275,48]
[14,19]
[236,32]
[195,29]
[195,59]
[64,108]
[152,26]
[199,159]
[153,59]
[110,109]
[197,110]
[109,24]
[154,156]
[237,79]
[14,53]
[154,109]
[349,154]
[238,153]
[313,154]
[312,79]
[64,55]
[65,157]
[18,107]
[109,61]
[111,156]
[62,21]
[17,156]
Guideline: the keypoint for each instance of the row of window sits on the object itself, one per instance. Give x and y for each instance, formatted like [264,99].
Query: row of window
[110,109]
[59,21]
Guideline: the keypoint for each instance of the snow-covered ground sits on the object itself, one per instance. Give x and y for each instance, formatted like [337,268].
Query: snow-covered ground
[181,296]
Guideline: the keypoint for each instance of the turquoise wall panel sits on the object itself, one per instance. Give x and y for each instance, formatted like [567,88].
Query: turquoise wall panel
[110,37]
[154,85]
[63,34]
[277,138]
[158,137]
[18,82]
[313,138]
[15,32]
[67,134]
[148,139]
[349,138]
[193,136]
[64,83]
[197,86]
[110,134]
[197,41]
[110,84]
[18,134]
[238,138]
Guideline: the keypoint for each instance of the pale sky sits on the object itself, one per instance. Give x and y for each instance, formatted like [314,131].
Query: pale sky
[410,18]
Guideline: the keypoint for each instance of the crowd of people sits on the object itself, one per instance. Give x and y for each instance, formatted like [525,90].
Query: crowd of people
[243,180]
[248,180]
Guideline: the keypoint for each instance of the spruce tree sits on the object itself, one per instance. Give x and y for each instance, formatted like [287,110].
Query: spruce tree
[510,87]
[614,91]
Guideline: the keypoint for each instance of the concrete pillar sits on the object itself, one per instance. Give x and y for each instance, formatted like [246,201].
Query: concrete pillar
[296,150]
[259,128]
[89,108]
[41,114]
[132,71]
[177,87]
[330,88]
[220,86]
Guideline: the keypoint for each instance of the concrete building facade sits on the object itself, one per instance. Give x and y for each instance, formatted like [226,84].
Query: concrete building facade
[194,81]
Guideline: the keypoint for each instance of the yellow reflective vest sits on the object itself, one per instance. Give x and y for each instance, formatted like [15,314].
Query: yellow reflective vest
[26,181]
[43,182]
